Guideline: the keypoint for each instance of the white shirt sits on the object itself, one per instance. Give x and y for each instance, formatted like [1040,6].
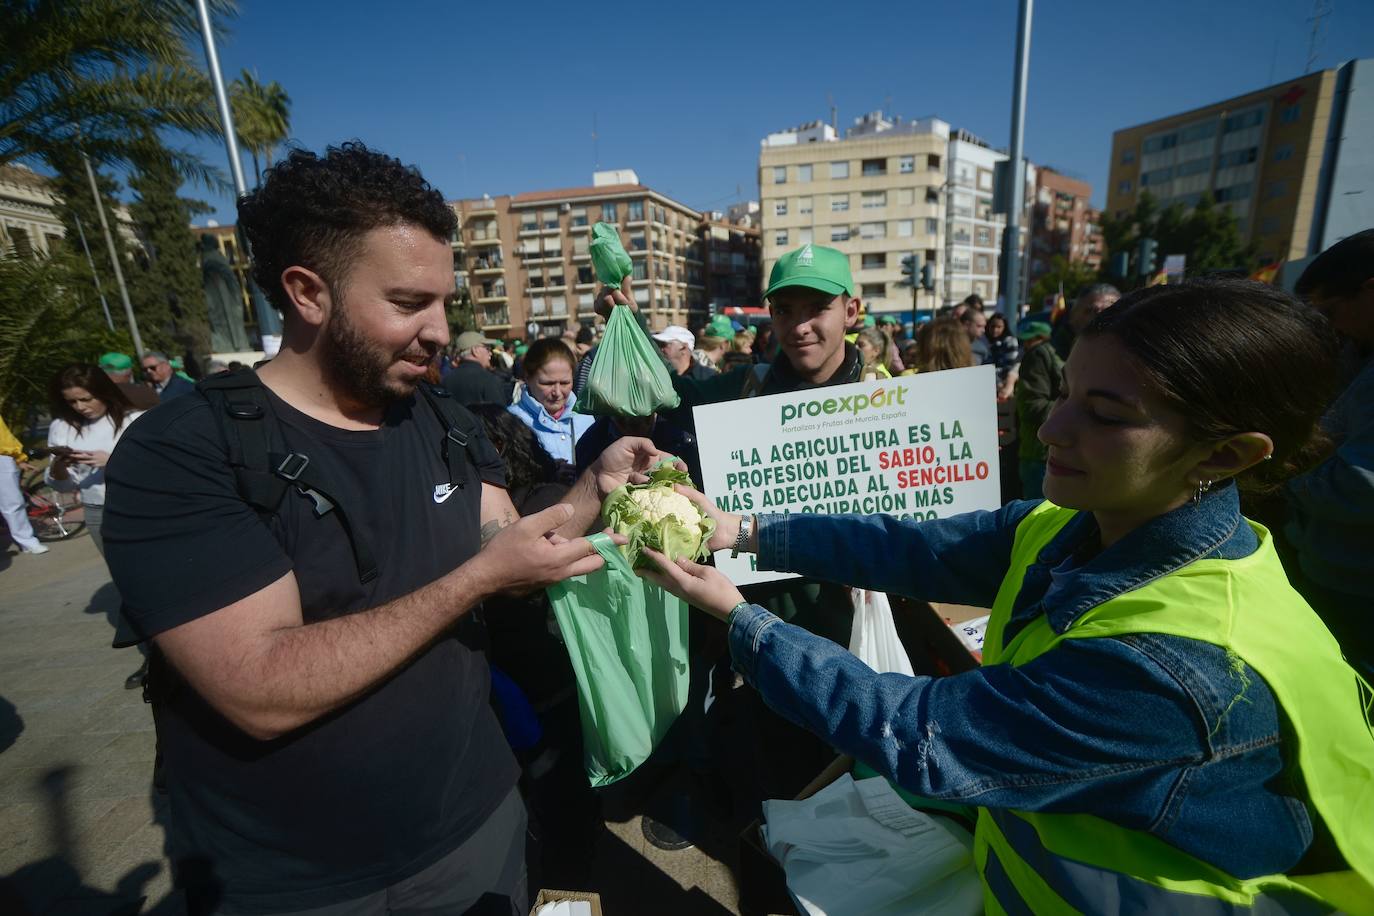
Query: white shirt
[95,436]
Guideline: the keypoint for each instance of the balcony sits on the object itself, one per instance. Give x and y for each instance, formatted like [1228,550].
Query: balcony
[485,240]
[487,270]
[485,209]
[493,297]
[498,317]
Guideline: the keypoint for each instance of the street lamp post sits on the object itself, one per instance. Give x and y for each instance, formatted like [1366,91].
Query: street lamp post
[1016,194]
[114,257]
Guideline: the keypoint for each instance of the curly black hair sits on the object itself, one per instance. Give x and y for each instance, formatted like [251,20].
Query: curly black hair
[526,461]
[313,211]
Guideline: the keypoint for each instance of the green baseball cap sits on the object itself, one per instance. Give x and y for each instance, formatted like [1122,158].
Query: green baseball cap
[116,362]
[870,321]
[1033,329]
[813,266]
[721,326]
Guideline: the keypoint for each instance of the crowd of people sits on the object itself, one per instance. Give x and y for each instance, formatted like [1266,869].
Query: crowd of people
[1170,711]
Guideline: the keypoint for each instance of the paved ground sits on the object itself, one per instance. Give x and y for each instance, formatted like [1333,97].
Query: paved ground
[80,825]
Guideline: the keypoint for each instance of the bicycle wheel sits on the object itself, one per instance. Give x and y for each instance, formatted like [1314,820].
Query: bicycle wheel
[54,516]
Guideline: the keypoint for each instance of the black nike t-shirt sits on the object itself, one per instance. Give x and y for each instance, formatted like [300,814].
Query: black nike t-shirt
[377,790]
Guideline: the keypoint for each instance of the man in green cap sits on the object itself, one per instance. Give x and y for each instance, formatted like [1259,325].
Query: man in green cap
[120,368]
[1037,388]
[811,299]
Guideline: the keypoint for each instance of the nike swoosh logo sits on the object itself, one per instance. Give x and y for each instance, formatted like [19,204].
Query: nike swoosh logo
[442,491]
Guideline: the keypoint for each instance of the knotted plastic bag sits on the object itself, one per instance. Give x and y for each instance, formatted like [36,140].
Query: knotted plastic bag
[628,377]
[627,640]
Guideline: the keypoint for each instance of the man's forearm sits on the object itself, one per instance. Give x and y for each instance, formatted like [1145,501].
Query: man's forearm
[586,503]
[299,673]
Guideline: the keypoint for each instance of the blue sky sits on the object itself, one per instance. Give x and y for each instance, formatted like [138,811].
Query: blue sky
[500,97]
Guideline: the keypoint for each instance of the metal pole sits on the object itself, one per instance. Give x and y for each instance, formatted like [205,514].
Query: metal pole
[104,305]
[1016,198]
[114,258]
[268,322]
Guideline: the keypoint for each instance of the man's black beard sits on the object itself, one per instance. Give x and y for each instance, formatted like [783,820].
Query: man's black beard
[356,365]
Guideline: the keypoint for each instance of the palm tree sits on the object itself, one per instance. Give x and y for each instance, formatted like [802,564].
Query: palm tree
[101,75]
[262,117]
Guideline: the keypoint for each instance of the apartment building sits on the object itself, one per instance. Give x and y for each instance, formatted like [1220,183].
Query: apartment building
[1293,162]
[733,255]
[29,226]
[876,195]
[526,261]
[1062,223]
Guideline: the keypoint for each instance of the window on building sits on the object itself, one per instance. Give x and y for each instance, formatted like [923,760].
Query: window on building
[839,203]
[1127,156]
[839,170]
[637,240]
[1252,118]
[1123,186]
[984,180]
[1236,157]
[873,200]
[578,217]
[803,173]
[779,174]
[640,269]
[1269,225]
[780,237]
[982,264]
[982,236]
[608,213]
[1193,167]
[1234,192]
[1283,152]
[932,162]
[585,275]
[1276,189]
[873,231]
[1158,176]
[876,260]
[586,302]
[932,226]
[580,243]
[1160,143]
[804,236]
[906,228]
[872,168]
[555,275]
[906,164]
[803,205]
[635,213]
[780,207]
[529,222]
[536,278]
[1291,114]
[871,291]
[906,197]
[839,234]
[538,306]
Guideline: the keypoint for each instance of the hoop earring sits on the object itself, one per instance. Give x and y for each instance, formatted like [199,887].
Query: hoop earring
[1202,487]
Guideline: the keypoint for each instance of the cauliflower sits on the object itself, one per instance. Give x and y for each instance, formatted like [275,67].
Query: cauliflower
[655,515]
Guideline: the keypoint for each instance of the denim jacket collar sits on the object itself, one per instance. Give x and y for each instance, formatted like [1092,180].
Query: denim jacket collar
[541,417]
[1157,548]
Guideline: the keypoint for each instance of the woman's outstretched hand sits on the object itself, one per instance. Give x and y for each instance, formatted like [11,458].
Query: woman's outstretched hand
[703,586]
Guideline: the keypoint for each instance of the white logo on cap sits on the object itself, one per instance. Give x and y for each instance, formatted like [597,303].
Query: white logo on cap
[804,257]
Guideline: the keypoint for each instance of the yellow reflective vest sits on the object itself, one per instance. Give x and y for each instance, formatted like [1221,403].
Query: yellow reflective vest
[1067,863]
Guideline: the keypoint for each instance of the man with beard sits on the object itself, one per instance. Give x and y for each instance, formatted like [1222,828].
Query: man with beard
[328,743]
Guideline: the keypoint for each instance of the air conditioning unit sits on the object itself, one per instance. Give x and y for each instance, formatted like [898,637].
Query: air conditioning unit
[564,208]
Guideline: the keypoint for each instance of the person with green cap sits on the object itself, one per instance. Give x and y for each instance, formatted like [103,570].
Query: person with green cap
[1037,388]
[120,368]
[811,299]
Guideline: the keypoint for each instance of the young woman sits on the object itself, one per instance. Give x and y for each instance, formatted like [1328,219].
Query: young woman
[941,344]
[89,414]
[1161,724]
[873,345]
[548,399]
[1006,349]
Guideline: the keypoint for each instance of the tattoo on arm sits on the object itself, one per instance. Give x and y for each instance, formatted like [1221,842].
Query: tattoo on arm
[492,528]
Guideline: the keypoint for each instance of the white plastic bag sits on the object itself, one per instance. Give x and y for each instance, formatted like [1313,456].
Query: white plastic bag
[874,636]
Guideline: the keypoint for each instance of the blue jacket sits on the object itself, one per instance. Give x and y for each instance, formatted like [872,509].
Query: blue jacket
[558,437]
[1156,733]
[175,388]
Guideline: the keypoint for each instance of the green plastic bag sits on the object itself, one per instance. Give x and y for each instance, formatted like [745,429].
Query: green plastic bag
[609,259]
[627,639]
[628,376]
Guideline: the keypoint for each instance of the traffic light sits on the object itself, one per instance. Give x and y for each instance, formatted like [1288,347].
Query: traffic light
[1145,261]
[928,278]
[911,270]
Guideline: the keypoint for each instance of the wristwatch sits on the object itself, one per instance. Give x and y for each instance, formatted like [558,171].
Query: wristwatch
[746,528]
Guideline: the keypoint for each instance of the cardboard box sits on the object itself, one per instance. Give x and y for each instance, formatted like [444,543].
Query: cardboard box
[551,896]
[934,650]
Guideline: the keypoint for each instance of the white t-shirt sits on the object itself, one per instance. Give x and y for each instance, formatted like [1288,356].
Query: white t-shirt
[96,436]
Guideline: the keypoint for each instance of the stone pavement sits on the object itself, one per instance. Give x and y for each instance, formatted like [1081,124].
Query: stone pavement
[80,825]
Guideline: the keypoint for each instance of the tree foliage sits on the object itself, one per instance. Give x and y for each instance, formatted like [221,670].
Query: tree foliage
[1208,235]
[46,321]
[101,75]
[1071,276]
[262,118]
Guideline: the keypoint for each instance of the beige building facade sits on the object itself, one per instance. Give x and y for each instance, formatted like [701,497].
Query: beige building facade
[29,226]
[876,195]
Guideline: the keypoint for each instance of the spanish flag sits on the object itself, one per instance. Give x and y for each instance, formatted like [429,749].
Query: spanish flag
[1159,279]
[1059,306]
[1268,273]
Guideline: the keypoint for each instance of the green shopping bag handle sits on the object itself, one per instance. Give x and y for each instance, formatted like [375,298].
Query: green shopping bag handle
[610,552]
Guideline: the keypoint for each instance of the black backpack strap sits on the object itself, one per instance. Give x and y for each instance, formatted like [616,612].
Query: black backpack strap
[461,449]
[263,468]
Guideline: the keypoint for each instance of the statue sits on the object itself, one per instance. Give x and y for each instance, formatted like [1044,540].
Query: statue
[223,300]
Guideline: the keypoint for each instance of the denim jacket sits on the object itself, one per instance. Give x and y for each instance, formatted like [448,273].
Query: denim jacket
[558,437]
[1157,733]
